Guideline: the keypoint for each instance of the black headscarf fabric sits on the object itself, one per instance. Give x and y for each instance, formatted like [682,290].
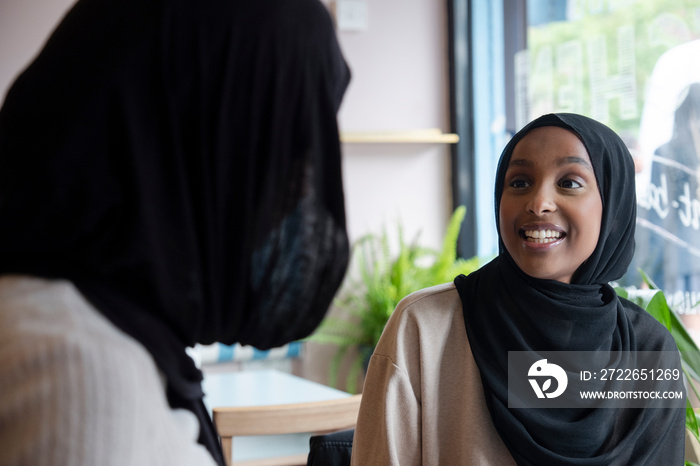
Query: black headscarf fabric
[179,161]
[507,310]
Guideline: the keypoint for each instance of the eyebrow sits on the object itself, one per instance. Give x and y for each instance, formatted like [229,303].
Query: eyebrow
[562,161]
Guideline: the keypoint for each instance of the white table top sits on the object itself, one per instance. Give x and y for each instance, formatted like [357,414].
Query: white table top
[264,387]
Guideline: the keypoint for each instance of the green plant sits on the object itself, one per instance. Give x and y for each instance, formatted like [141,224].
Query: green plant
[654,302]
[365,304]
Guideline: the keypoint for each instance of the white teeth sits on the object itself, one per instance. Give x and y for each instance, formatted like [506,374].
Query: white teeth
[542,236]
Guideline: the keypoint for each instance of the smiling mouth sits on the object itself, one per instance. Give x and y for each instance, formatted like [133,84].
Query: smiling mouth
[542,236]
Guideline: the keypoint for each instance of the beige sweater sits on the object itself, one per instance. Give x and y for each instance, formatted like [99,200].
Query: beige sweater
[423,401]
[75,390]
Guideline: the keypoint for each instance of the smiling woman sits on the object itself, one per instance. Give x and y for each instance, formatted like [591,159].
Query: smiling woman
[437,387]
[550,207]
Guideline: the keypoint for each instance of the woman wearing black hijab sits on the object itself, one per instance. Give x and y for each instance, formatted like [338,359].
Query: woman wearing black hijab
[437,394]
[169,175]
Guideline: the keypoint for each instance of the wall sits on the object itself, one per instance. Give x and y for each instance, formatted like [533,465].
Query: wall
[400,82]
[24,27]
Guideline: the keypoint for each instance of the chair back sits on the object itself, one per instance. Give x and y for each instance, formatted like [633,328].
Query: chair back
[311,417]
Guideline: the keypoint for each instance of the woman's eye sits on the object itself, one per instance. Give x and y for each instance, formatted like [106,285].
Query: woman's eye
[570,184]
[518,183]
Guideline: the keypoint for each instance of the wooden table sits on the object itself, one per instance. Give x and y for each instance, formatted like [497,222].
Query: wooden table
[259,388]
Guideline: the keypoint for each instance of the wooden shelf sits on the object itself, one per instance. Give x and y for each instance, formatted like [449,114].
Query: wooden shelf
[416,136]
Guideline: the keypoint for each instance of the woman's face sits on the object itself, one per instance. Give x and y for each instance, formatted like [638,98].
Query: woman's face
[550,211]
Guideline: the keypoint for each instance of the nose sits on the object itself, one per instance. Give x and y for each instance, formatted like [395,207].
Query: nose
[541,201]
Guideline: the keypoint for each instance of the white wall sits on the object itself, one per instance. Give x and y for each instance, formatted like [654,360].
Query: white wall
[24,27]
[399,82]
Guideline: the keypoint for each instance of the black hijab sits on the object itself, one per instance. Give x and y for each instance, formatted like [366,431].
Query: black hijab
[179,161]
[507,310]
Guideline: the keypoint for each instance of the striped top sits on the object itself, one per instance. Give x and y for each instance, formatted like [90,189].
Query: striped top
[75,390]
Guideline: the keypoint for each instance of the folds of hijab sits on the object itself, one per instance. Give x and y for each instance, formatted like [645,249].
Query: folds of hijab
[507,310]
[179,161]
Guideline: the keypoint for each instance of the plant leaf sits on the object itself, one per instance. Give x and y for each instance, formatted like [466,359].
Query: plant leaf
[691,420]
[354,375]
[658,307]
[647,280]
[380,281]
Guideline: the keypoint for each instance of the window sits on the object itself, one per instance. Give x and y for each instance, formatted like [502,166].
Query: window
[632,64]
